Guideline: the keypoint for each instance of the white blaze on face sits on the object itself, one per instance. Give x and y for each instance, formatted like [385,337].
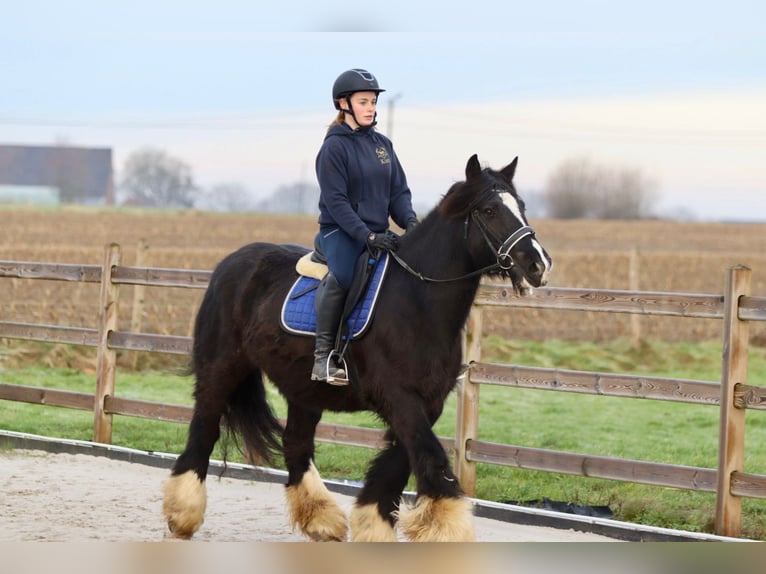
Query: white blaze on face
[513,205]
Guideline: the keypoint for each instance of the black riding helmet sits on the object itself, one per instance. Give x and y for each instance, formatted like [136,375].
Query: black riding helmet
[350,81]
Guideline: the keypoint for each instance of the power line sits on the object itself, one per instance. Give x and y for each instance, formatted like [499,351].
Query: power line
[472,122]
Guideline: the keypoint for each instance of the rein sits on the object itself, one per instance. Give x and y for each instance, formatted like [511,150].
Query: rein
[504,258]
[422,277]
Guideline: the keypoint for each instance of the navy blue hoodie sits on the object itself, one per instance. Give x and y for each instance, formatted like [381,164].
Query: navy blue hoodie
[361,182]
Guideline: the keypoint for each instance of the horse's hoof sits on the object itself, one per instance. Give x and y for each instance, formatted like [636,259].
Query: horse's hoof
[438,520]
[321,535]
[367,525]
[184,503]
[314,511]
[322,521]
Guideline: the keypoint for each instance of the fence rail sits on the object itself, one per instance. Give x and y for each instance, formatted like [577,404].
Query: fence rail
[606,300]
[732,396]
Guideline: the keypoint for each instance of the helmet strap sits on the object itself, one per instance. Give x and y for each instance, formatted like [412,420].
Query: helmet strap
[350,109]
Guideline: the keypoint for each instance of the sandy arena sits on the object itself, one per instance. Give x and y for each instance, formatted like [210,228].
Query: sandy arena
[63,497]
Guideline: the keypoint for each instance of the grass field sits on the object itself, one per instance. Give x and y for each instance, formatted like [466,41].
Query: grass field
[638,429]
[688,257]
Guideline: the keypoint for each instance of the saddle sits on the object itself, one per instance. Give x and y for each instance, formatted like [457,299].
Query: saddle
[298,316]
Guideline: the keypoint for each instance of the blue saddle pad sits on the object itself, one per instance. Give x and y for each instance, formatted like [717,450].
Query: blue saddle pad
[298,315]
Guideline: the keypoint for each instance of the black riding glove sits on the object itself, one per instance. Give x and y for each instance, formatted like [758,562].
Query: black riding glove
[386,240]
[411,224]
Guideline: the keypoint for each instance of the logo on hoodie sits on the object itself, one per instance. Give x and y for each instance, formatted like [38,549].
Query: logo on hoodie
[382,154]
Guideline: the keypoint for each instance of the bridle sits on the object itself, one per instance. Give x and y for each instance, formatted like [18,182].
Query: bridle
[503,255]
[504,258]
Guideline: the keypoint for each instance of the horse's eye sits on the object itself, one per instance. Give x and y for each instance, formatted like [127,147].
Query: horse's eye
[488,211]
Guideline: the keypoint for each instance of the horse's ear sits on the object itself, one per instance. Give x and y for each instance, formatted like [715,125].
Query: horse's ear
[473,167]
[509,170]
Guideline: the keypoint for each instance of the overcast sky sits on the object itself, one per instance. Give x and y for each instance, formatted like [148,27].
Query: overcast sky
[675,89]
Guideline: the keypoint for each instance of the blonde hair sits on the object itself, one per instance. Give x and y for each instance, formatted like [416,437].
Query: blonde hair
[339,120]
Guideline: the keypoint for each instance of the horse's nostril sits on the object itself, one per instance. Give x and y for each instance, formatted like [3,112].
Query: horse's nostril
[537,273]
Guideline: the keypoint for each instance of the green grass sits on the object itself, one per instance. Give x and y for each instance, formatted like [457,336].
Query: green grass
[648,430]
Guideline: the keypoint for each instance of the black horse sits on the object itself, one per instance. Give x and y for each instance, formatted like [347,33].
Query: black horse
[402,369]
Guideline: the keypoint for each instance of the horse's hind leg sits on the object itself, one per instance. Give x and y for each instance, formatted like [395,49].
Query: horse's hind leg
[374,514]
[310,505]
[184,493]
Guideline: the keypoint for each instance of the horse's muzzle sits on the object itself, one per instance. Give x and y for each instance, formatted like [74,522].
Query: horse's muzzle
[537,274]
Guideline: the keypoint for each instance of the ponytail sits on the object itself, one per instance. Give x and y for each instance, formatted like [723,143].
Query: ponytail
[339,120]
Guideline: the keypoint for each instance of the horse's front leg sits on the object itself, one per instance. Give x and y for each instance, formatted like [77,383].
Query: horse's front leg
[310,505]
[441,512]
[374,515]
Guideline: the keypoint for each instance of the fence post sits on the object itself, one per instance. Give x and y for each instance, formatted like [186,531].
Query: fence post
[634,274]
[731,447]
[467,419]
[137,312]
[107,358]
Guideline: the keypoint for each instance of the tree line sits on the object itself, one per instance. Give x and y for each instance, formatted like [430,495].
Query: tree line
[575,189]
[153,178]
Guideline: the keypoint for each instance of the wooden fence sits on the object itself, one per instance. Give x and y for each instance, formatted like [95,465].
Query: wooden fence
[735,307]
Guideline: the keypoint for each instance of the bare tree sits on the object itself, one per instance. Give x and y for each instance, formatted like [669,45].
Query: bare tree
[568,193]
[233,197]
[579,188]
[625,194]
[300,197]
[153,178]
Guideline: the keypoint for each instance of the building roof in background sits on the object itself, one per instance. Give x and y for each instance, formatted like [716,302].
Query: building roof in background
[82,175]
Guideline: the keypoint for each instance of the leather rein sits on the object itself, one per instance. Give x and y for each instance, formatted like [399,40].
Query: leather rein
[503,253]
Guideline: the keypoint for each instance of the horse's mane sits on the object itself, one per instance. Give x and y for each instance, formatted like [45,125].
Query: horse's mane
[461,195]
[448,218]
[453,205]
[455,202]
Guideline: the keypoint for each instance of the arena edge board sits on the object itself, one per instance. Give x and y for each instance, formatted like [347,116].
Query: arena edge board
[482,508]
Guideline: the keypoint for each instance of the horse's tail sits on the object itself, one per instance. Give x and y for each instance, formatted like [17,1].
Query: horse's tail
[249,415]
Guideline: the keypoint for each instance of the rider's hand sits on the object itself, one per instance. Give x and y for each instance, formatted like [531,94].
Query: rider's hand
[385,240]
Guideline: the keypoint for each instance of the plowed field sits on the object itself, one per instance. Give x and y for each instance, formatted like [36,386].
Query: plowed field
[666,256]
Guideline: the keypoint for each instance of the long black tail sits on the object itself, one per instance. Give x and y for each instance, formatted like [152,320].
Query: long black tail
[249,415]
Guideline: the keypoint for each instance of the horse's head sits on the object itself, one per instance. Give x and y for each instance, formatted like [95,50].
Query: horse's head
[496,225]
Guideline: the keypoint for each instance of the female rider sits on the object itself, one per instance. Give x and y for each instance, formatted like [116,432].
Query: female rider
[361,183]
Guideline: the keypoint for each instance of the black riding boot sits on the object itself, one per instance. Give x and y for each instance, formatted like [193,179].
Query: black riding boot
[328,304]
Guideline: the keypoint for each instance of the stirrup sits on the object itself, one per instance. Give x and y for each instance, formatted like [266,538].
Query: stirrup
[336,381]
